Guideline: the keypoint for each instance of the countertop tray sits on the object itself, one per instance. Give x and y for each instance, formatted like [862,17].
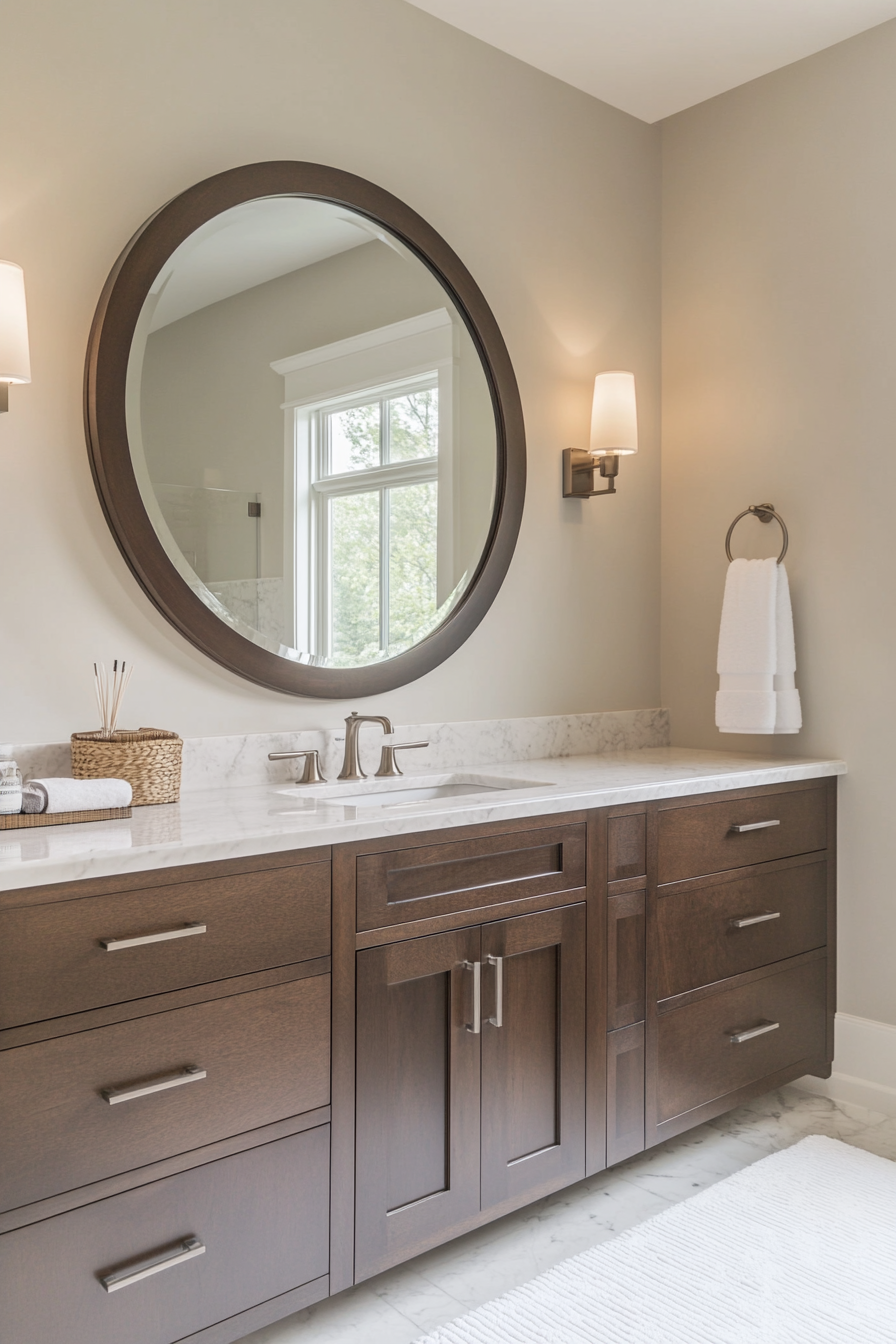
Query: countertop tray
[16,821]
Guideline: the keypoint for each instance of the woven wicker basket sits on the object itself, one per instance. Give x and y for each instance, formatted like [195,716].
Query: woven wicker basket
[148,759]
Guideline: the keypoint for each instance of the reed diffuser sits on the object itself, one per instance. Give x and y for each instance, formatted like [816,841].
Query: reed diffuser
[109,697]
[148,758]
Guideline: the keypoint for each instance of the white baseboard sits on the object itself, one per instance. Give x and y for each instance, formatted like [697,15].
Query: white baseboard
[864,1065]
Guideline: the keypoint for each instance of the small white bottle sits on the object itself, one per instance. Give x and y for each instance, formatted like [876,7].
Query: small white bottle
[10,787]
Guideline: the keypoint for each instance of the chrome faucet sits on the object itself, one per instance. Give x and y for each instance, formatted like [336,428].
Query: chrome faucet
[351,765]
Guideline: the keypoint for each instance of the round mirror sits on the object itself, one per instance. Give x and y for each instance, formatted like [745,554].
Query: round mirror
[305,430]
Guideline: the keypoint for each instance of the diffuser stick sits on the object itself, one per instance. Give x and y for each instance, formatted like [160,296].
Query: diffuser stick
[110,694]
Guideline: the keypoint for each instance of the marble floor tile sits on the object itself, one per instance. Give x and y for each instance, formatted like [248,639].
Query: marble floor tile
[397,1307]
[879,1139]
[783,1117]
[683,1166]
[358,1316]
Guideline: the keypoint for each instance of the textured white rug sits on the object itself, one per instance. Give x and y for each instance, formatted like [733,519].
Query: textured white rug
[799,1248]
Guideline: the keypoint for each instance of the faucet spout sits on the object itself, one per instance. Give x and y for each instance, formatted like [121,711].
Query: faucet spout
[351,765]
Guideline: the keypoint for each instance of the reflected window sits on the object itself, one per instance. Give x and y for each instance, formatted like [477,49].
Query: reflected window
[375,504]
[370,522]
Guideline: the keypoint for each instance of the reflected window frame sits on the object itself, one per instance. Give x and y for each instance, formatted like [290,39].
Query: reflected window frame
[328,486]
[378,363]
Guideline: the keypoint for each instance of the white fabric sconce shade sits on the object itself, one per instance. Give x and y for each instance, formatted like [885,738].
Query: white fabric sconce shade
[614,415]
[15,363]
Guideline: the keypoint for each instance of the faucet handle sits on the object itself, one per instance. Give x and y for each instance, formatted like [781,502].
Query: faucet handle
[388,768]
[311,774]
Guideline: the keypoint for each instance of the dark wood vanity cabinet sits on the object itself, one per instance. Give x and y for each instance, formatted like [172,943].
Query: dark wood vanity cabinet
[470,1079]
[164,1103]
[266,1079]
[720,954]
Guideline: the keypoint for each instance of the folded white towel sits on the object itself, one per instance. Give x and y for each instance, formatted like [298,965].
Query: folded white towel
[82,795]
[757,661]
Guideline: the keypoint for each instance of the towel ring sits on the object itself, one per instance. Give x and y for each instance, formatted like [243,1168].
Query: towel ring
[765,513]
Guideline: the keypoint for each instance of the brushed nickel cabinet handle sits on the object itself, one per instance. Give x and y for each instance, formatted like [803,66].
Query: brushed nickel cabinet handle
[190,1073]
[188,930]
[745,921]
[498,963]
[754,826]
[476,967]
[738,1037]
[187,1249]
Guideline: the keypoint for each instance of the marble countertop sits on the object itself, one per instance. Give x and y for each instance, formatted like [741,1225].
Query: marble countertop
[237,822]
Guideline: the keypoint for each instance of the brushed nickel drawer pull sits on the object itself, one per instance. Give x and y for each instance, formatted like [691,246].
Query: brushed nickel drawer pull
[476,967]
[747,920]
[116,944]
[187,1249]
[738,1037]
[190,1073]
[754,826]
[498,963]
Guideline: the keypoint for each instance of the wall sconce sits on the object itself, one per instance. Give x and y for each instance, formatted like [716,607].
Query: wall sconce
[15,363]
[614,434]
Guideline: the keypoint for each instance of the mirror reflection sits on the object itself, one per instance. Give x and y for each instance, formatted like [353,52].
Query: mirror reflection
[312,431]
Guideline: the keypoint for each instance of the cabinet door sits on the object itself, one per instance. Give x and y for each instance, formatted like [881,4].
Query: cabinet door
[533,1063]
[417,1137]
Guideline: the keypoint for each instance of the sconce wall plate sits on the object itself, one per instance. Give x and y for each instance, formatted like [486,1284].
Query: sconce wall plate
[578,473]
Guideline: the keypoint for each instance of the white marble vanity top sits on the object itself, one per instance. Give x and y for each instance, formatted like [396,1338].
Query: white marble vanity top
[233,823]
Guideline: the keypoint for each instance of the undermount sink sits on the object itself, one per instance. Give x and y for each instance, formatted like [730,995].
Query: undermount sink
[409,789]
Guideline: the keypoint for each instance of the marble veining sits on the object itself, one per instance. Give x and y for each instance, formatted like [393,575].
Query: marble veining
[234,822]
[404,1303]
[240,761]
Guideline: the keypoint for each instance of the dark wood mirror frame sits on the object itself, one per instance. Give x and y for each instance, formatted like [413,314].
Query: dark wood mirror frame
[108,353]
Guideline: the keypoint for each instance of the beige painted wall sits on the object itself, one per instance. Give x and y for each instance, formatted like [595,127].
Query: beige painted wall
[779,344]
[549,197]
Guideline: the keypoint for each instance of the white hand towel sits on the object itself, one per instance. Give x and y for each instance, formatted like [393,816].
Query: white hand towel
[756,662]
[84,795]
[788,711]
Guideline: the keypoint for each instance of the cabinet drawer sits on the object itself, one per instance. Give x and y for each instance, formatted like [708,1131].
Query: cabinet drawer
[697,1058]
[53,961]
[261,1215]
[700,942]
[407,884]
[626,846]
[265,1054]
[702,839]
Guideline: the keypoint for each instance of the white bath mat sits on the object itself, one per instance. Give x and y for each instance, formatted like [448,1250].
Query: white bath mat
[799,1248]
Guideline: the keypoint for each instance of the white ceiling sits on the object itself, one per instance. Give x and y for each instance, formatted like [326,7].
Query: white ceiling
[656,57]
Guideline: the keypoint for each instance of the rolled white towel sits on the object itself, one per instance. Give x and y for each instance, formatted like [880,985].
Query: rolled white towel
[83,795]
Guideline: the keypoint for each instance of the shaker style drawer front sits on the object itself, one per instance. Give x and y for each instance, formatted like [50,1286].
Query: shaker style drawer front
[713,837]
[82,1107]
[397,886]
[626,847]
[216,1240]
[722,930]
[738,1036]
[74,955]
